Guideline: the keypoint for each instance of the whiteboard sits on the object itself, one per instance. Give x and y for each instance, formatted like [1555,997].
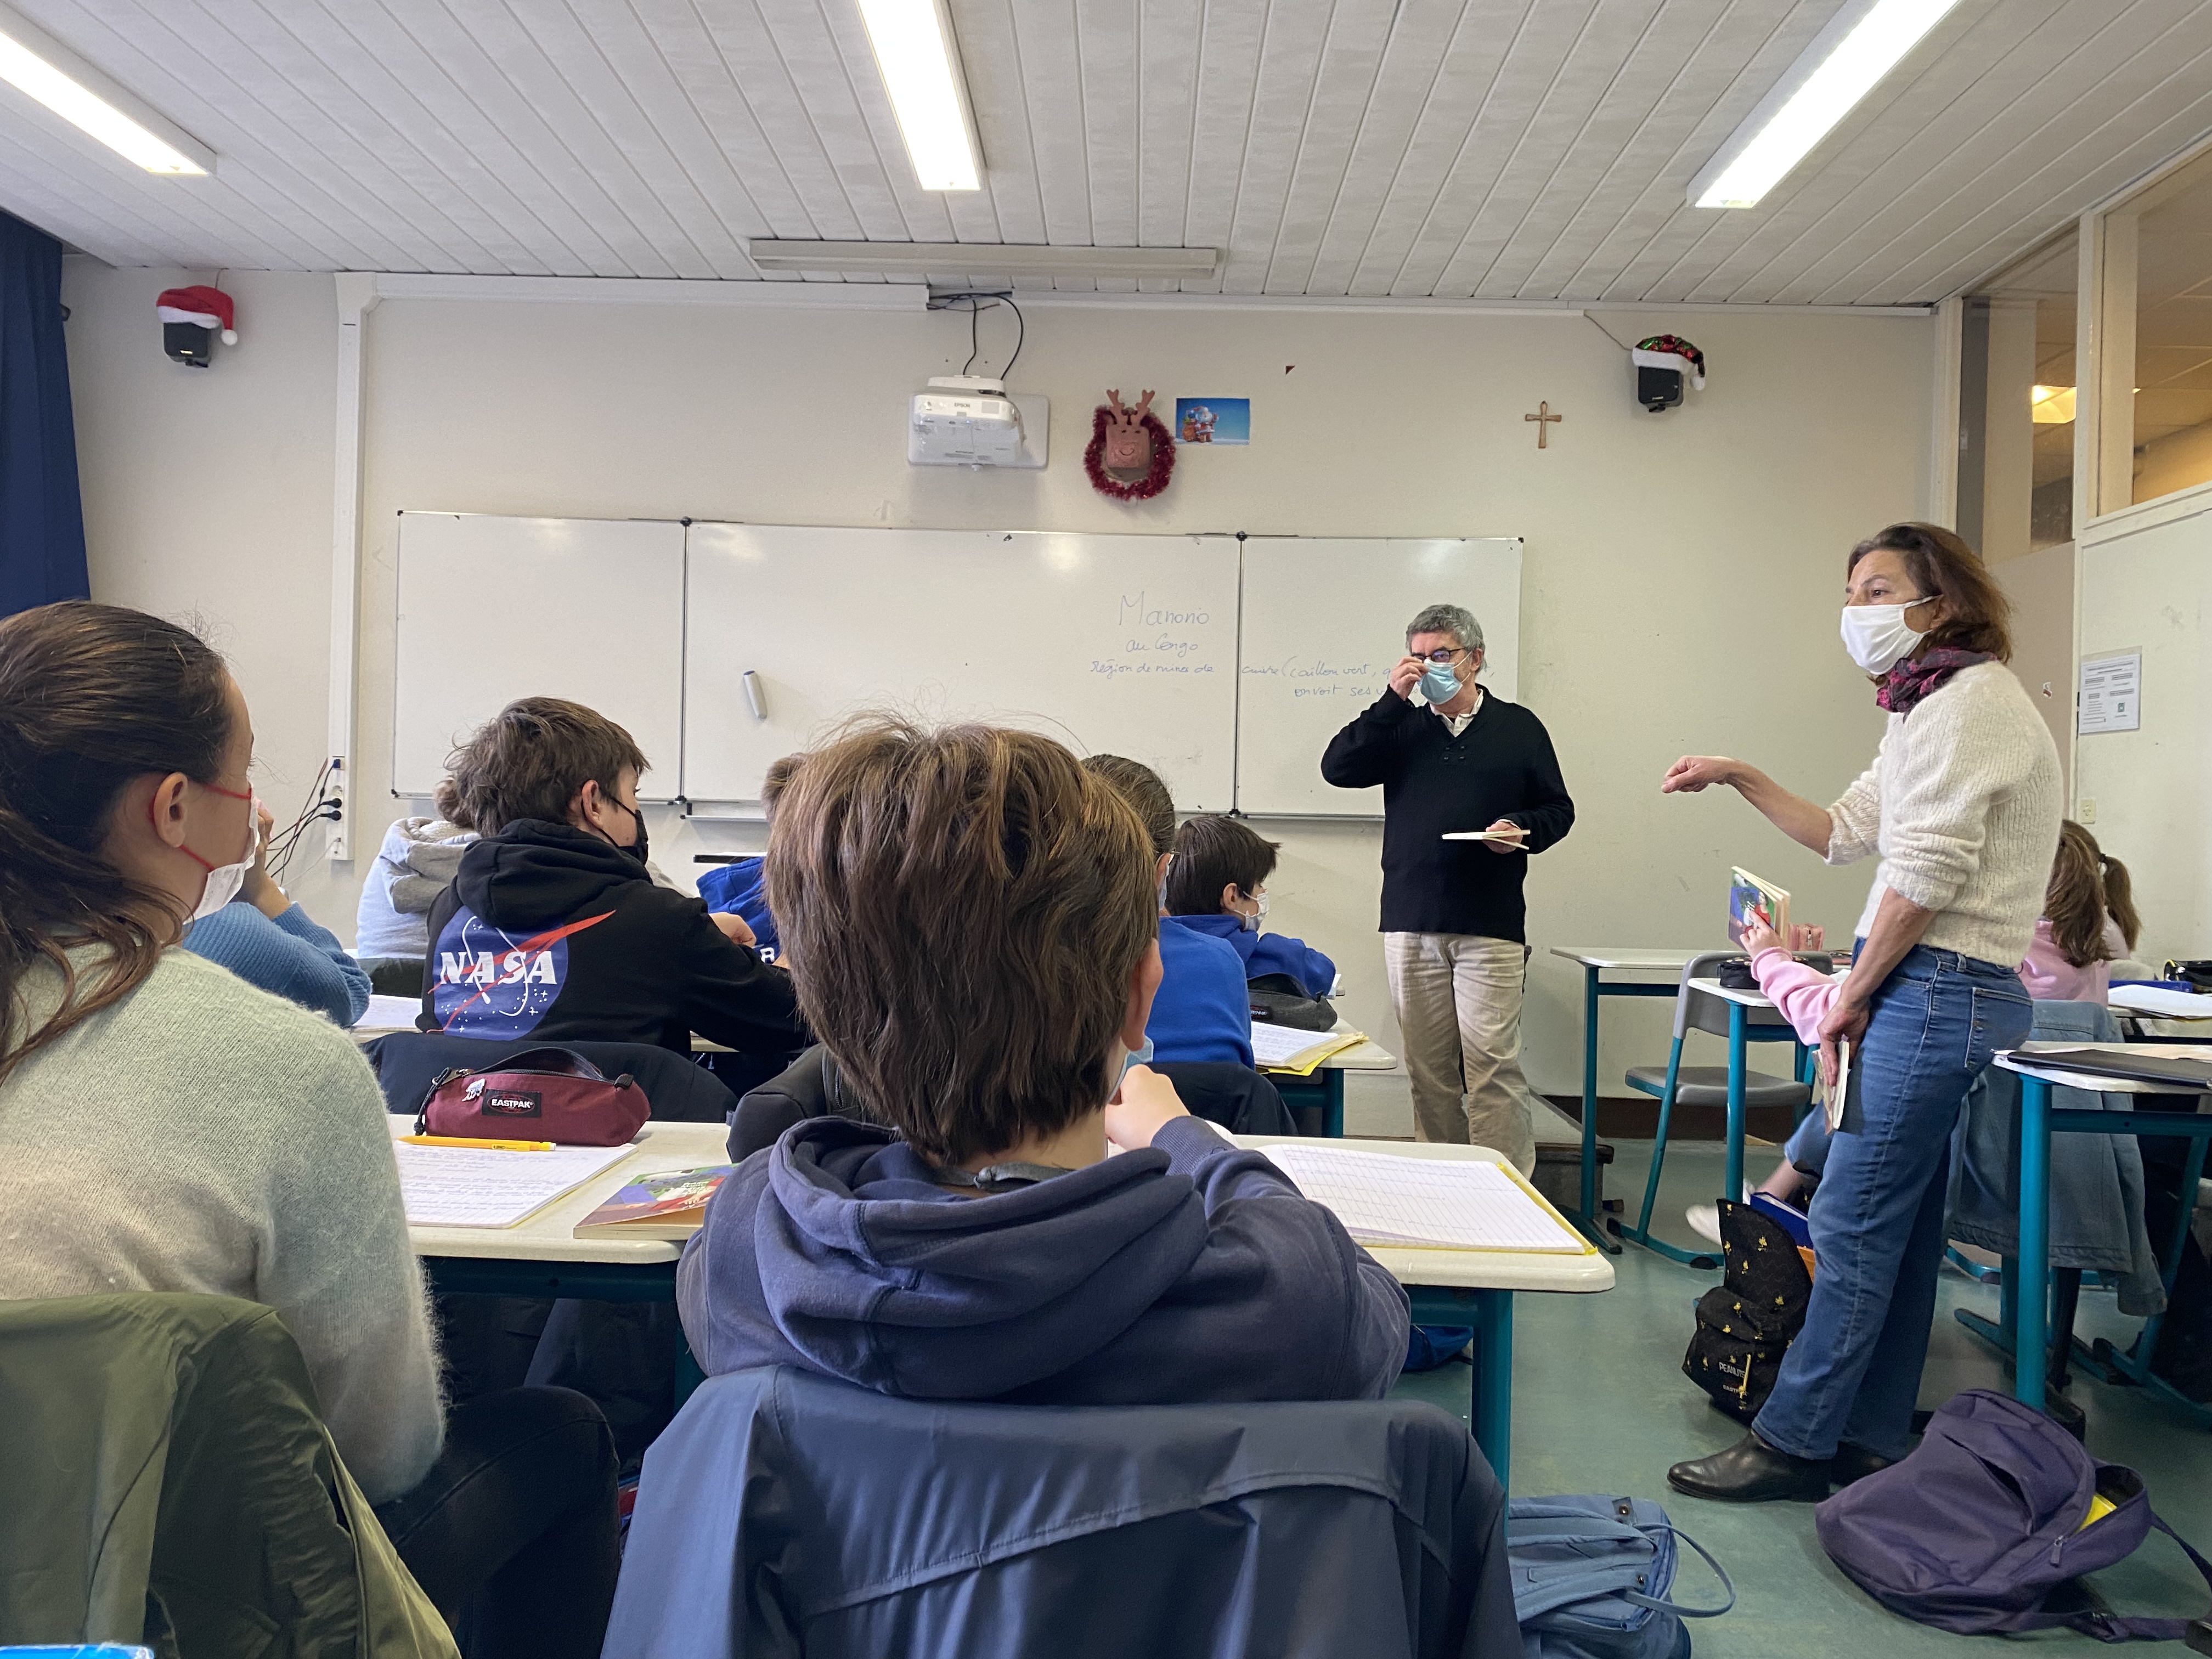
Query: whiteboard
[1324,624]
[492,609]
[1112,644]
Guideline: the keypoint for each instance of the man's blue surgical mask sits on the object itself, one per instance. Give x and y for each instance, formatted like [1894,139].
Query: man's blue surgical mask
[1438,683]
[1137,1056]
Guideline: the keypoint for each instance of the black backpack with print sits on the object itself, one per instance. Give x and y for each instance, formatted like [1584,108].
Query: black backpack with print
[1745,1322]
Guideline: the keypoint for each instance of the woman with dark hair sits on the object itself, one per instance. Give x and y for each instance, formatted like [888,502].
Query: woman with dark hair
[166,1126]
[1962,806]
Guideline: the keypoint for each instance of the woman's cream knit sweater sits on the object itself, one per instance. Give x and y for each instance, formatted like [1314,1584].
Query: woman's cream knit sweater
[1962,803]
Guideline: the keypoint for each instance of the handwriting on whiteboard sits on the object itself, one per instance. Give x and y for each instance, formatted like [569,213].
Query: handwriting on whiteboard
[1159,636]
[1319,677]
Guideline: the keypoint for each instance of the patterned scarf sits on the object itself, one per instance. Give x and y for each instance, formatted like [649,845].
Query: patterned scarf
[1908,682]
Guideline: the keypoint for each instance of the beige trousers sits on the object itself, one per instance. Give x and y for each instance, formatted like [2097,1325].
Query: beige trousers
[1458,1002]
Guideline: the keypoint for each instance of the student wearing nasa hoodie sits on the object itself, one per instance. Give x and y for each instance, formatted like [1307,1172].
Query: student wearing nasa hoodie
[554,929]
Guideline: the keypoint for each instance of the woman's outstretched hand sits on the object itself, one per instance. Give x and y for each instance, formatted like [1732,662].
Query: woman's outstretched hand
[1695,772]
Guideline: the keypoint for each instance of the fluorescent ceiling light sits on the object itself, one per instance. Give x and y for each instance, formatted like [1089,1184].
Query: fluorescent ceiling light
[994,259]
[2050,405]
[920,67]
[1862,44]
[40,66]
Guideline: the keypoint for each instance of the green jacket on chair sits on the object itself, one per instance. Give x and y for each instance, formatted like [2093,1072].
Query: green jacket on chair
[168,1481]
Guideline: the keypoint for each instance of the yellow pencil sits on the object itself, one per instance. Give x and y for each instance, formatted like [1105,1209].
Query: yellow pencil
[480,1146]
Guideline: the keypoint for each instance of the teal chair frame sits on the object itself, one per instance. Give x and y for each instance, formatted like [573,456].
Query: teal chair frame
[1742,1031]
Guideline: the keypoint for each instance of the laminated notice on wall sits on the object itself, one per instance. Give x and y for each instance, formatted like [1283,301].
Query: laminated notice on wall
[2111,694]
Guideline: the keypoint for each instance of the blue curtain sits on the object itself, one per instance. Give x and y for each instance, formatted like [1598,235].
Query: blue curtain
[41,515]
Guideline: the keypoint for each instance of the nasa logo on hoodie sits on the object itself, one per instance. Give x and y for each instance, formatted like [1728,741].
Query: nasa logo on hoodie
[489,982]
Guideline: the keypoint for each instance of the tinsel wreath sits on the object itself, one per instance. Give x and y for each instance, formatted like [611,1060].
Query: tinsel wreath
[1156,477]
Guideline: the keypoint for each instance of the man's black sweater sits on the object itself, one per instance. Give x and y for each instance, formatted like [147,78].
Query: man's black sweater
[1500,767]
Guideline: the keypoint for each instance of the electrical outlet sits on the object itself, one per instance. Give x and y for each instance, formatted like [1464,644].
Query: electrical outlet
[2089,812]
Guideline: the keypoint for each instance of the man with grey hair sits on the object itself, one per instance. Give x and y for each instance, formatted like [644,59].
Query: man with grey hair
[1454,920]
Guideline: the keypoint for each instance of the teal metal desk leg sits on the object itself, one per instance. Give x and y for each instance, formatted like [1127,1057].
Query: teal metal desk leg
[1492,1417]
[1490,1413]
[1332,1107]
[1738,1064]
[2032,1300]
[1586,1216]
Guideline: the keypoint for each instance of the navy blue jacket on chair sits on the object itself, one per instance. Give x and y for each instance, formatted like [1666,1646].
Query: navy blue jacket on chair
[784,1513]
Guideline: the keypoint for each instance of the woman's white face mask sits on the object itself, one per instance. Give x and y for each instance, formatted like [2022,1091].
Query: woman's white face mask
[1878,637]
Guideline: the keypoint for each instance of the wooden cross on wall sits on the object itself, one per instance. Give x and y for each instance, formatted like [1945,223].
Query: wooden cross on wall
[1544,420]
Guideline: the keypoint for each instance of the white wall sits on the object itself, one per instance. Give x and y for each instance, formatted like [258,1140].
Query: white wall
[2147,587]
[1682,578]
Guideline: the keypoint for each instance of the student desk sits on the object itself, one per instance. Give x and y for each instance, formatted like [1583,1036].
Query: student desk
[541,1256]
[1476,1287]
[2037,1123]
[1325,1087]
[1598,960]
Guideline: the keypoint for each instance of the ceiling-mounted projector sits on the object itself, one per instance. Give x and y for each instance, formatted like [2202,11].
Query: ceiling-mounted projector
[968,421]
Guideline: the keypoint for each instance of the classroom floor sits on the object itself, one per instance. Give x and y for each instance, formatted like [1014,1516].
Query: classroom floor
[1600,1404]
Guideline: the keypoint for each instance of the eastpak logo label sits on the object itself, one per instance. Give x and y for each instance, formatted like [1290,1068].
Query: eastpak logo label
[513,1102]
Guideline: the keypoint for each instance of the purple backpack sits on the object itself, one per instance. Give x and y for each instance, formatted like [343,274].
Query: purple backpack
[1985,1527]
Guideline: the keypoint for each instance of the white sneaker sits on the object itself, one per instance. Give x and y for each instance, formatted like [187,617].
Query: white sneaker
[1705,1220]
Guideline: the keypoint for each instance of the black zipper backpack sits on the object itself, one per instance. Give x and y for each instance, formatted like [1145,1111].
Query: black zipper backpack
[1745,1322]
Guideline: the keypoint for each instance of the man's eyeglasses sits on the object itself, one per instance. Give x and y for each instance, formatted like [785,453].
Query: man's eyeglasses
[1445,654]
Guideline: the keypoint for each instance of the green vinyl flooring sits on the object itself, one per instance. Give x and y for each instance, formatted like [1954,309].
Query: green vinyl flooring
[1601,1405]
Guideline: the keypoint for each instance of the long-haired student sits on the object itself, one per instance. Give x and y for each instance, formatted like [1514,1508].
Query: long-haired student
[166,1126]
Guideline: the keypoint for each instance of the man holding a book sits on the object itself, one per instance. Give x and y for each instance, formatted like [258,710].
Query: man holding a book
[1470,788]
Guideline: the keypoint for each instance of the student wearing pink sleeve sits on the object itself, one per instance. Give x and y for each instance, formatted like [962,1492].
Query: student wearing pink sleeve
[2089,922]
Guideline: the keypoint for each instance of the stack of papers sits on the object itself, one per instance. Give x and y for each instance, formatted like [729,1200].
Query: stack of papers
[465,1186]
[2165,1003]
[1425,1203]
[1286,1048]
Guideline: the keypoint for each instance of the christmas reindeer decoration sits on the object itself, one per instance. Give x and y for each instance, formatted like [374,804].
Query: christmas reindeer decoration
[1131,455]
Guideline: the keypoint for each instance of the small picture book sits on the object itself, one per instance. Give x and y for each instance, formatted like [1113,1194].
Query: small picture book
[1753,899]
[671,1205]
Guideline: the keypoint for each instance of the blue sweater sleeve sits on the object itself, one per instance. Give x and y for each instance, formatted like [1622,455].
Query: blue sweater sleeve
[1201,1011]
[291,957]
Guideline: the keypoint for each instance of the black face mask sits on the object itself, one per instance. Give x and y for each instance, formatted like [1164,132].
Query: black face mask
[637,849]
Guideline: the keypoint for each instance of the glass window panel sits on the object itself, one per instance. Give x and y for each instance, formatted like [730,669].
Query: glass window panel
[2172,403]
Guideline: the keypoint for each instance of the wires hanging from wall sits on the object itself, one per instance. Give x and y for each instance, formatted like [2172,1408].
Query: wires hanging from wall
[976,304]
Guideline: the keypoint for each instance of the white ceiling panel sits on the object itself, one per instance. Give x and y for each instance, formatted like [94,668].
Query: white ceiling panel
[1504,150]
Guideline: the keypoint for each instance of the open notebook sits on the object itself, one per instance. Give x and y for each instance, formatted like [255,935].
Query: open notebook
[469,1186]
[1425,1202]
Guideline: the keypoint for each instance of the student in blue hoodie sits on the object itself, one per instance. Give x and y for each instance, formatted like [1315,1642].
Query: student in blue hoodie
[1217,886]
[972,923]
[739,888]
[1201,1013]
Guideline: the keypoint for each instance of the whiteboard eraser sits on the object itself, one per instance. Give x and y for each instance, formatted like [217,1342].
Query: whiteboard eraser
[753,698]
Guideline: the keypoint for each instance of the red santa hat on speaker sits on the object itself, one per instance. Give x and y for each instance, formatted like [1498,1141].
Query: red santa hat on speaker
[208,307]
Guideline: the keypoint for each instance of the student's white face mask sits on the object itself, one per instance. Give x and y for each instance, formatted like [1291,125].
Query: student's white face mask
[1877,636]
[223,880]
[1259,914]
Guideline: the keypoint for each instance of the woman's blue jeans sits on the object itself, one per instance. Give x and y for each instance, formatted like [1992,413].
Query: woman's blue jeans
[1853,1373]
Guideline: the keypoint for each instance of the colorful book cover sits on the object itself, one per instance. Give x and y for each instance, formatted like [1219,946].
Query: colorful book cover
[673,1204]
[1751,899]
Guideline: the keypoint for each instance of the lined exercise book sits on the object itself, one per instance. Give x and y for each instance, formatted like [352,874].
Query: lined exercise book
[466,1187]
[1424,1202]
[1286,1048]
